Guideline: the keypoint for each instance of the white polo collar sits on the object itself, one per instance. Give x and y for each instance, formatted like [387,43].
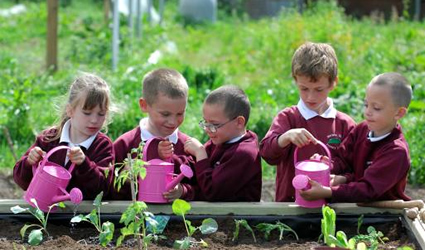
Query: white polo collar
[235,139]
[307,113]
[375,139]
[65,137]
[145,135]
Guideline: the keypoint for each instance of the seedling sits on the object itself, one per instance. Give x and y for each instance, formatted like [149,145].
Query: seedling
[369,241]
[209,226]
[131,169]
[134,219]
[106,229]
[36,235]
[245,224]
[267,228]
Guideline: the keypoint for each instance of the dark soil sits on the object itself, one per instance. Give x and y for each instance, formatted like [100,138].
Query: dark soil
[84,236]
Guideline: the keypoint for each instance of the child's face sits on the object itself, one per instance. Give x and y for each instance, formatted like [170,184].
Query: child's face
[380,112]
[165,114]
[227,128]
[85,123]
[315,94]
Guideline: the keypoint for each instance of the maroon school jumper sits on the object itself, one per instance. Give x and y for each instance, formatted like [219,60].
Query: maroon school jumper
[131,139]
[90,177]
[329,131]
[232,172]
[380,168]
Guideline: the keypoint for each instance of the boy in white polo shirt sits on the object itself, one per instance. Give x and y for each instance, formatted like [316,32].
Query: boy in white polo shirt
[315,70]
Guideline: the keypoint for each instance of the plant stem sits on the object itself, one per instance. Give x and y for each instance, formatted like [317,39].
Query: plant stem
[185,225]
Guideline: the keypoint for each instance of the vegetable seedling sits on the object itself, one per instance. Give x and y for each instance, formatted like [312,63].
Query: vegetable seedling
[208,226]
[106,229]
[36,235]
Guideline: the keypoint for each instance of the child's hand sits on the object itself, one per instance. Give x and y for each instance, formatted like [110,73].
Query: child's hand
[76,155]
[174,193]
[35,155]
[298,136]
[316,192]
[321,158]
[165,149]
[195,148]
[337,180]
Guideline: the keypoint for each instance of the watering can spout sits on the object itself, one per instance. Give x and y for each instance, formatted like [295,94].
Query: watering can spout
[75,196]
[186,171]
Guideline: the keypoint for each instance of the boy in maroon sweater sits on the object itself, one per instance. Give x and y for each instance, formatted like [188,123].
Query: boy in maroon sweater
[91,151]
[375,150]
[165,93]
[228,166]
[315,69]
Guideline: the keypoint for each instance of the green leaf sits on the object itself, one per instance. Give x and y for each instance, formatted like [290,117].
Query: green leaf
[107,233]
[191,228]
[342,239]
[78,218]
[93,218]
[182,244]
[17,209]
[35,237]
[98,200]
[203,243]
[119,240]
[25,228]
[180,207]
[209,226]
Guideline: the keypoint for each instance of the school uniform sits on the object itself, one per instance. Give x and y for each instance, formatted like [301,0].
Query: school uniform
[380,166]
[132,139]
[232,171]
[331,128]
[91,177]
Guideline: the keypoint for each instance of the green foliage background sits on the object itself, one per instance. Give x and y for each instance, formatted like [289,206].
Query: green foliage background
[254,54]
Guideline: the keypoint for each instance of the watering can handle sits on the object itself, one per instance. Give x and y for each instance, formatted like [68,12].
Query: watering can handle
[145,149]
[318,142]
[43,163]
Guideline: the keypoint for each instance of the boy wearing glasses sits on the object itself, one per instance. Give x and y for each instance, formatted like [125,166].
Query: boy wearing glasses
[315,71]
[228,166]
[164,99]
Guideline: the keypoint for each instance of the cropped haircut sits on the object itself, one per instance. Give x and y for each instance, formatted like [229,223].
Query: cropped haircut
[233,99]
[401,91]
[165,81]
[315,60]
[88,90]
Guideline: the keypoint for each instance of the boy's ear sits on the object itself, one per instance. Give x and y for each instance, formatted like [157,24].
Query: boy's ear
[240,121]
[402,111]
[143,105]
[335,82]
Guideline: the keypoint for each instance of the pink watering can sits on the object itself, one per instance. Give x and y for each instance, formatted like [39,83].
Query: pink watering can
[159,178]
[48,185]
[312,169]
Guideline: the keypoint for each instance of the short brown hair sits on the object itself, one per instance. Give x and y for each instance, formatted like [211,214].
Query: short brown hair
[315,60]
[233,99]
[401,91]
[166,81]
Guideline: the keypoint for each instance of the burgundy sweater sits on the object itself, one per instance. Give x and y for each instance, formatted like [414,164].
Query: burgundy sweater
[232,172]
[131,139]
[379,168]
[330,131]
[90,177]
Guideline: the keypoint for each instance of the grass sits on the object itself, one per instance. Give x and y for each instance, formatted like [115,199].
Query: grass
[255,55]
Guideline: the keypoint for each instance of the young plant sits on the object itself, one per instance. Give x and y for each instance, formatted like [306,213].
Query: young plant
[208,226]
[131,169]
[135,218]
[106,229]
[267,228]
[36,235]
[245,224]
[370,241]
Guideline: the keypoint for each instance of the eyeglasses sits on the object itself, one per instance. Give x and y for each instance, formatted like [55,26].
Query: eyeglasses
[213,127]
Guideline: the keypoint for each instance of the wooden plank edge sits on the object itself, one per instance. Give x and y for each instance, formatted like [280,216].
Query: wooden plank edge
[214,208]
